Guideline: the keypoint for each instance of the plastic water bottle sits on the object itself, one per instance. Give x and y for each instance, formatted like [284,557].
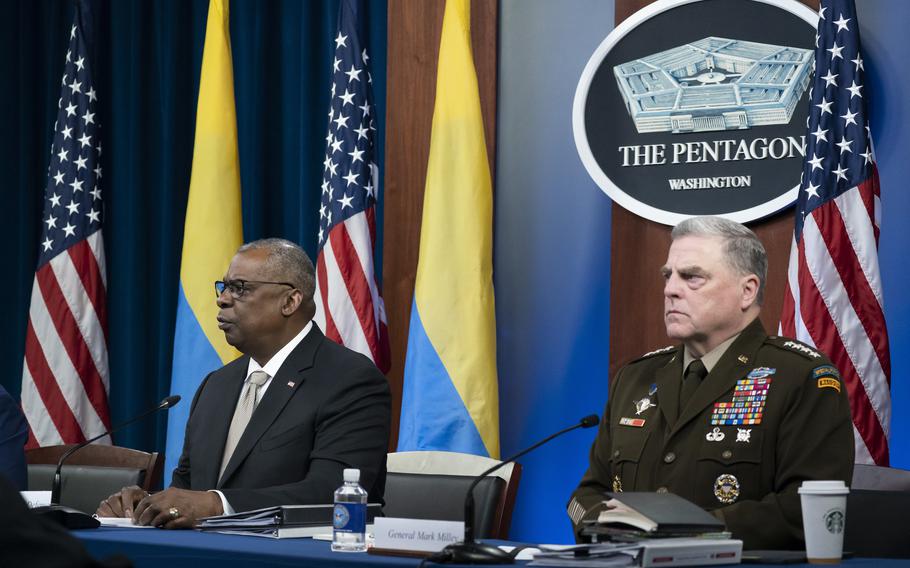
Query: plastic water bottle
[349,519]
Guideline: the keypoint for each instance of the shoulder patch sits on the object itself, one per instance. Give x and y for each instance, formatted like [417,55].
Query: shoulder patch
[794,346]
[826,377]
[663,350]
[825,371]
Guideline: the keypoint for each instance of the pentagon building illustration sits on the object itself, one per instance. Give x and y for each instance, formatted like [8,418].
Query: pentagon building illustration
[714,84]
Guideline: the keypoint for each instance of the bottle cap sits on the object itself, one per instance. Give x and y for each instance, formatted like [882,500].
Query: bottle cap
[352,475]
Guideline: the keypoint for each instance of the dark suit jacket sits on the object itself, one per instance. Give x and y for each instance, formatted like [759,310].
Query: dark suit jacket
[13,434]
[326,409]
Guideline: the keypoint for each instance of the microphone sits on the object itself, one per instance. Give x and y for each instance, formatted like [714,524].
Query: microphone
[472,552]
[168,402]
[67,516]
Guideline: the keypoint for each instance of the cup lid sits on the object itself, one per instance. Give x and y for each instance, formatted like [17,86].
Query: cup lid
[824,487]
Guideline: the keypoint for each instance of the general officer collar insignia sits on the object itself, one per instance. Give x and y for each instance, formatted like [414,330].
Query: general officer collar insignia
[742,359]
[726,488]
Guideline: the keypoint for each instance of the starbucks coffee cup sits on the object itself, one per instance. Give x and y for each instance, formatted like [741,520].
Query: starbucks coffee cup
[824,519]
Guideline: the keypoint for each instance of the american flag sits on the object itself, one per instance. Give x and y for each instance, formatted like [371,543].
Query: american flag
[349,306]
[834,292]
[65,375]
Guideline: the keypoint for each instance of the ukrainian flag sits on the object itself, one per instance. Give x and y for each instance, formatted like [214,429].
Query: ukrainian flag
[212,231]
[450,399]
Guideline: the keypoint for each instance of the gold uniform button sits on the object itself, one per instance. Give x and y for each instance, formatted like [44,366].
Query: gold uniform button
[670,457]
[727,454]
[662,489]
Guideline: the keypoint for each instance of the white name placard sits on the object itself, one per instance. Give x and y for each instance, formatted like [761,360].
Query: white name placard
[416,534]
[36,498]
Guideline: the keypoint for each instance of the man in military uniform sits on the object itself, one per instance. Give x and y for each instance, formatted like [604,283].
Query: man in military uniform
[733,419]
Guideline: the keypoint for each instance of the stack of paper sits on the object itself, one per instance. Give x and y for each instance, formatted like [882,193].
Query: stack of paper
[645,553]
[593,555]
[287,521]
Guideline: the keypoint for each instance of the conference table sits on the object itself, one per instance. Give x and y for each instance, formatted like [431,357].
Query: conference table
[157,548]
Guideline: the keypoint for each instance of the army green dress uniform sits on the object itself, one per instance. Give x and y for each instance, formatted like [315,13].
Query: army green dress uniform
[772,413]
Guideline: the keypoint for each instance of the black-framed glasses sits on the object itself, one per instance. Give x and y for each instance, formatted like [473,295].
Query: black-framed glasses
[237,288]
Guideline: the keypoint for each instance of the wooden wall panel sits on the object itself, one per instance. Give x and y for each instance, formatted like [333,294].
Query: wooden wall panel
[414,28]
[639,249]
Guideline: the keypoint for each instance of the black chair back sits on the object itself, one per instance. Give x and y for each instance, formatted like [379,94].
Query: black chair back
[877,524]
[441,497]
[83,487]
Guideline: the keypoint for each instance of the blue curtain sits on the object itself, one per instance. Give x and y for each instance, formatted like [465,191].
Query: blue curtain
[147,62]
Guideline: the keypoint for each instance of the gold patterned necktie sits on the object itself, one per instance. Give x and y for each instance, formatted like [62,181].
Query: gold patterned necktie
[242,415]
[695,374]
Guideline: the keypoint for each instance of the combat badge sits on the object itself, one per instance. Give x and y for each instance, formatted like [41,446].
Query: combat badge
[726,488]
[617,484]
[761,372]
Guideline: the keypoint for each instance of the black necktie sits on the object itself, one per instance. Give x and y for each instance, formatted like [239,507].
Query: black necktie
[694,375]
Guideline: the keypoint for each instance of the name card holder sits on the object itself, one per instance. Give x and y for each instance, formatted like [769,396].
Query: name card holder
[36,498]
[414,537]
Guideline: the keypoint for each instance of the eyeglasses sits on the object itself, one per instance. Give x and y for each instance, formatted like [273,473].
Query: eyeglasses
[238,288]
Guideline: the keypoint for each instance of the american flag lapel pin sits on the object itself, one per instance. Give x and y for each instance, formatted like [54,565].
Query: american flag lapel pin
[291,384]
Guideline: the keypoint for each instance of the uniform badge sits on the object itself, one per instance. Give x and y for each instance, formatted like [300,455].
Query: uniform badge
[801,349]
[748,402]
[715,435]
[643,405]
[827,377]
[726,488]
[658,351]
[617,484]
[761,372]
[829,383]
[652,390]
[742,359]
[636,422]
[744,435]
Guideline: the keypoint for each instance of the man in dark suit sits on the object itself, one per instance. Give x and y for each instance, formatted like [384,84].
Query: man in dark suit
[319,407]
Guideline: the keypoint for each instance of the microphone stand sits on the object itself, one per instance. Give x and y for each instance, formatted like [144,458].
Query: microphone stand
[72,518]
[470,551]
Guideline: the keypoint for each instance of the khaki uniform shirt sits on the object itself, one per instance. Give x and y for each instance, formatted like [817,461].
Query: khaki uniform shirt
[772,413]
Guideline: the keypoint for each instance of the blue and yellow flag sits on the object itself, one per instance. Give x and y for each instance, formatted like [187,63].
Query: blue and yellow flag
[212,231]
[451,399]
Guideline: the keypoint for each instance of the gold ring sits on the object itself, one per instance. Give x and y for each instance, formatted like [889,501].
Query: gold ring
[175,513]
